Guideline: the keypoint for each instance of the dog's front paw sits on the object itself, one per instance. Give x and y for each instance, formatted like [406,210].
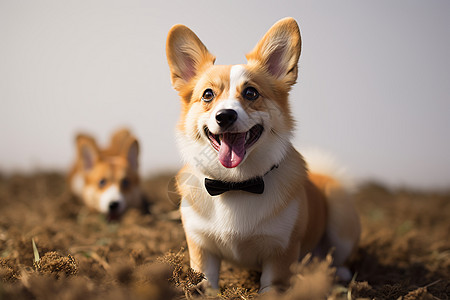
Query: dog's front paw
[265,289]
[273,289]
[206,288]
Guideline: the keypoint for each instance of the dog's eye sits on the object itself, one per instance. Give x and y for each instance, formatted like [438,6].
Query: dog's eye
[125,183]
[102,183]
[250,93]
[208,95]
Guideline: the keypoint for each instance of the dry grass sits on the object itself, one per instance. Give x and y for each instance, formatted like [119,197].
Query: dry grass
[182,276]
[404,251]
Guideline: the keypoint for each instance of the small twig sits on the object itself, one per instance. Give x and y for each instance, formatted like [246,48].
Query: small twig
[349,290]
[199,291]
[433,283]
[100,260]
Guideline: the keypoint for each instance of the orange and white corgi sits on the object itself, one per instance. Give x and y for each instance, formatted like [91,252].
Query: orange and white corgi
[107,180]
[247,196]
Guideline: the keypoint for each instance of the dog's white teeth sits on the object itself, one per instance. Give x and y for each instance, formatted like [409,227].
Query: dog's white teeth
[247,136]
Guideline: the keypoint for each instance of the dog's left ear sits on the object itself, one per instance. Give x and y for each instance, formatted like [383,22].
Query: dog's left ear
[279,50]
[119,140]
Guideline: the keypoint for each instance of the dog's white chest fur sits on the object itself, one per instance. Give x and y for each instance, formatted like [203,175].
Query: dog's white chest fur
[241,226]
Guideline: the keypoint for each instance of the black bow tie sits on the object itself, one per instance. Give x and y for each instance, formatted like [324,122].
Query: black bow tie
[254,185]
[217,187]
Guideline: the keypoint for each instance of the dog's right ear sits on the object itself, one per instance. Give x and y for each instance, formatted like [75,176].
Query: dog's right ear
[186,55]
[130,151]
[88,152]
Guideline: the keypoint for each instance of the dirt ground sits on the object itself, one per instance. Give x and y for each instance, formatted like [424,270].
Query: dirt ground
[404,251]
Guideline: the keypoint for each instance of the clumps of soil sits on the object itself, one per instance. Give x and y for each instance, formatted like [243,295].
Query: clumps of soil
[8,270]
[182,276]
[404,243]
[404,252]
[420,293]
[53,263]
[237,293]
[148,281]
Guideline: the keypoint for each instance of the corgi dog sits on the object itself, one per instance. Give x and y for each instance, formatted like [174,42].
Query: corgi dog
[246,194]
[107,180]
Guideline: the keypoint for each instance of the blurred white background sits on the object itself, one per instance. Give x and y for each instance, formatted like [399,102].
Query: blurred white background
[373,88]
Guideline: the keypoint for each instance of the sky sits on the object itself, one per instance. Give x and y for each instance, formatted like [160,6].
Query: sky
[373,87]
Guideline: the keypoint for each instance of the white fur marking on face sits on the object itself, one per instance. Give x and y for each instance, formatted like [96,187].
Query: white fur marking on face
[111,194]
[237,74]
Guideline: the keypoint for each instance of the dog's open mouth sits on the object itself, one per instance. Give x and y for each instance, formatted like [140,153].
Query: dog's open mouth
[232,146]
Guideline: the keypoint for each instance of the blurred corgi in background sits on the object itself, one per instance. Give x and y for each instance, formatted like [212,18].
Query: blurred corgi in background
[107,180]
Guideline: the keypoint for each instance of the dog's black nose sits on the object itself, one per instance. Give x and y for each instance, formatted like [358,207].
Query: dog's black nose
[114,205]
[226,117]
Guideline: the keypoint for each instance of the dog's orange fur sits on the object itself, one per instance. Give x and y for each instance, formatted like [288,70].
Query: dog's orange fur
[324,217]
[113,164]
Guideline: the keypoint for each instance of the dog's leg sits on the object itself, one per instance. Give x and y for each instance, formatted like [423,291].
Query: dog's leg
[276,271]
[206,262]
[211,269]
[343,231]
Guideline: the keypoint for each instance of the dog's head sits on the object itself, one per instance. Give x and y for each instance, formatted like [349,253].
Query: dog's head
[235,121]
[110,177]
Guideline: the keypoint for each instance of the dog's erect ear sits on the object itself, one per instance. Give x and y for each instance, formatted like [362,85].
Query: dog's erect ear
[131,152]
[119,140]
[186,55]
[279,50]
[88,152]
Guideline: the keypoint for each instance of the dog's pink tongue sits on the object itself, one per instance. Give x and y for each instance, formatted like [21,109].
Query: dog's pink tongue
[232,149]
